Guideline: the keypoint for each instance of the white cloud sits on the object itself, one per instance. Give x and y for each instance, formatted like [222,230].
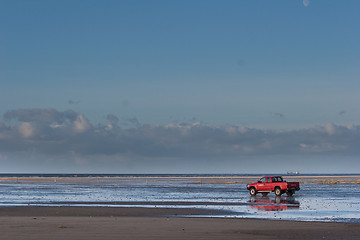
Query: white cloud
[302,145]
[242,129]
[330,128]
[351,127]
[306,3]
[26,129]
[81,124]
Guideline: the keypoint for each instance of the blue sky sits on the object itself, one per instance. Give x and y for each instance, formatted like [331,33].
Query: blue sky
[286,67]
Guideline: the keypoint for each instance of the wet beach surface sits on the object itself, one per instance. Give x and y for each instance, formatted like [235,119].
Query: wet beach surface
[326,199]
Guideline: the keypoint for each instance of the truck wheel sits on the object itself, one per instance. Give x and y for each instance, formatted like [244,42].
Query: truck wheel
[289,193]
[252,191]
[278,191]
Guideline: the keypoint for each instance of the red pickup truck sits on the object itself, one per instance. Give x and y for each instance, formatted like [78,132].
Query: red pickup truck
[273,184]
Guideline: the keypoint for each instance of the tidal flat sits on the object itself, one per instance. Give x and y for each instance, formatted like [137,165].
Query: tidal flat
[321,198]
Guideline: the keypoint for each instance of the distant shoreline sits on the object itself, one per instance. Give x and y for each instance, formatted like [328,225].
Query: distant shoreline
[167,176]
[171,174]
[317,179]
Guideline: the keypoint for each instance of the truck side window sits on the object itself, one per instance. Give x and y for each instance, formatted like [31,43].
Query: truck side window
[268,180]
[262,180]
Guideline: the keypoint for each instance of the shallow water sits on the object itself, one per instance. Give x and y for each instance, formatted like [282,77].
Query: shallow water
[314,202]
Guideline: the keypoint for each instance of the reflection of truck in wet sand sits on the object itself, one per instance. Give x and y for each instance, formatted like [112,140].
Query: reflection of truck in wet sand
[273,184]
[277,204]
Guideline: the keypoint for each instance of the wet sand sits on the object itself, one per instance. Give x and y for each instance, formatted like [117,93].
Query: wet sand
[153,223]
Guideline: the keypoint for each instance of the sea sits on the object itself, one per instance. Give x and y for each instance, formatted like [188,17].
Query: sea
[316,201]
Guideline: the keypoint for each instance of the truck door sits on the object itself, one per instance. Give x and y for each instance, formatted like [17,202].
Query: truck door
[268,184]
[261,184]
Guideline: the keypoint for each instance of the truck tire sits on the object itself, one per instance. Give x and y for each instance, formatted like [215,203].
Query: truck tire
[278,191]
[252,191]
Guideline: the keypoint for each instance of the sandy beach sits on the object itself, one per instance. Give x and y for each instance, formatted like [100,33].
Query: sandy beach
[153,223]
[174,208]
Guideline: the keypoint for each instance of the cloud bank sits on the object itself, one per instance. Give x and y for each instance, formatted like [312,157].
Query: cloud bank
[54,132]
[48,132]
